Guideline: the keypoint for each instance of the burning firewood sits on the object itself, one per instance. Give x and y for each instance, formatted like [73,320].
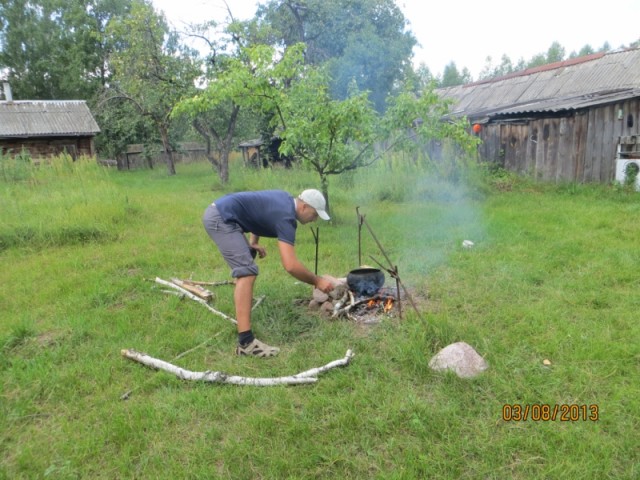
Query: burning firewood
[308,376]
[377,303]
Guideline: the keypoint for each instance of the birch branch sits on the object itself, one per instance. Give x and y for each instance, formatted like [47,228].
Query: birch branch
[258,302]
[220,377]
[339,304]
[336,363]
[211,284]
[187,293]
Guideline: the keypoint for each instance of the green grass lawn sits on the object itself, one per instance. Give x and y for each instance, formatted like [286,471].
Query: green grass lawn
[554,274]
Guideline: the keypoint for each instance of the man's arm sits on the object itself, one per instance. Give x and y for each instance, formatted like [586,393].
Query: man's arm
[296,269]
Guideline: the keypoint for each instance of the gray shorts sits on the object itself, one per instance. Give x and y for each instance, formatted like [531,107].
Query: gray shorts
[231,242]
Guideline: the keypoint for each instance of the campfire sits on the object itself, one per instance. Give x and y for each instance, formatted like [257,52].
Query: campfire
[344,302]
[362,295]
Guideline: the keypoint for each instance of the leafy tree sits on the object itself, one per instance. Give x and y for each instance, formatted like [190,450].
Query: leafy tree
[217,126]
[365,41]
[586,50]
[555,53]
[250,80]
[606,47]
[220,120]
[452,77]
[121,125]
[151,70]
[330,136]
[56,49]
[413,120]
[424,77]
[506,67]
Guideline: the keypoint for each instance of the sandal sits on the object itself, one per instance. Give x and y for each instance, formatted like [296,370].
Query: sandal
[257,349]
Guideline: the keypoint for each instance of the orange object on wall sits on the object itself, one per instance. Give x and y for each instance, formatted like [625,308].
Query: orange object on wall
[476,128]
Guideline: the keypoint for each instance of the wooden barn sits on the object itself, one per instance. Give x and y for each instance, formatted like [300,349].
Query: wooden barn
[47,128]
[566,121]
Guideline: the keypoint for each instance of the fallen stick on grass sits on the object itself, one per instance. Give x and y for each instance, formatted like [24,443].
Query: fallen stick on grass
[181,295]
[187,293]
[258,302]
[308,376]
[211,284]
[127,394]
[197,290]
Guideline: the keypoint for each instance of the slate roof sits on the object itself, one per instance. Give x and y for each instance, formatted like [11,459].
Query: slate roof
[568,85]
[42,118]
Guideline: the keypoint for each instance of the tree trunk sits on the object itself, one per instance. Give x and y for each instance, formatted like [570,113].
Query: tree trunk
[325,190]
[168,153]
[223,145]
[227,143]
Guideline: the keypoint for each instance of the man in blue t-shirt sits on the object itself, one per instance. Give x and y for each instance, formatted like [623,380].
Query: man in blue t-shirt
[267,213]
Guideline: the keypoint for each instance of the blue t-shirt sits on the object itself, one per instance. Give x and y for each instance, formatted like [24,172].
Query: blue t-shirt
[266,213]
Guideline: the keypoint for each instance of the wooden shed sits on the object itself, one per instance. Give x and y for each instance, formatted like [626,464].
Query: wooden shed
[47,128]
[258,152]
[561,121]
[251,153]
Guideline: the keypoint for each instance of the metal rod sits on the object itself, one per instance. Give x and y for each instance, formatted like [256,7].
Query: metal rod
[360,220]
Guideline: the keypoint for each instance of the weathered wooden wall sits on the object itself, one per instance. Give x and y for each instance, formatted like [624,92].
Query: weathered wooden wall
[580,146]
[46,147]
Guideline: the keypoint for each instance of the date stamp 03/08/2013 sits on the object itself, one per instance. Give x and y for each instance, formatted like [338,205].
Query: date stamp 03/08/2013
[545,412]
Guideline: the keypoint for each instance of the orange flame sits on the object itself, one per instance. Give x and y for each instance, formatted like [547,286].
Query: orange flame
[388,305]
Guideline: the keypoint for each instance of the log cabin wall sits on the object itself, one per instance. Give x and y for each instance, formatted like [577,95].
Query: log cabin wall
[561,121]
[47,128]
[579,146]
[47,147]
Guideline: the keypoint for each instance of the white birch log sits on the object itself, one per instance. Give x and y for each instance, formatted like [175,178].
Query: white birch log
[187,293]
[336,363]
[220,377]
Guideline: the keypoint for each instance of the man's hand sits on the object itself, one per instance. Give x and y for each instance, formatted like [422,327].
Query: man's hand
[323,284]
[262,252]
[253,243]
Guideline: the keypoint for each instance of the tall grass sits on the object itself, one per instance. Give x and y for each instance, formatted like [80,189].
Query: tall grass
[57,202]
[552,275]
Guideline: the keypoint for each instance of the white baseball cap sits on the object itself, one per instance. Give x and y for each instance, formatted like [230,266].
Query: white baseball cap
[315,199]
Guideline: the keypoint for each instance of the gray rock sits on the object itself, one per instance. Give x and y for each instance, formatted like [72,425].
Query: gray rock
[460,358]
[313,305]
[327,308]
[319,296]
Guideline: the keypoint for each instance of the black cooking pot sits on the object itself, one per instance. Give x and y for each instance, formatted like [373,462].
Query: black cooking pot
[365,281]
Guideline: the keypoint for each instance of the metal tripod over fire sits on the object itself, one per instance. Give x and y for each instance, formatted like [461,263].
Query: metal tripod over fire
[392,270]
